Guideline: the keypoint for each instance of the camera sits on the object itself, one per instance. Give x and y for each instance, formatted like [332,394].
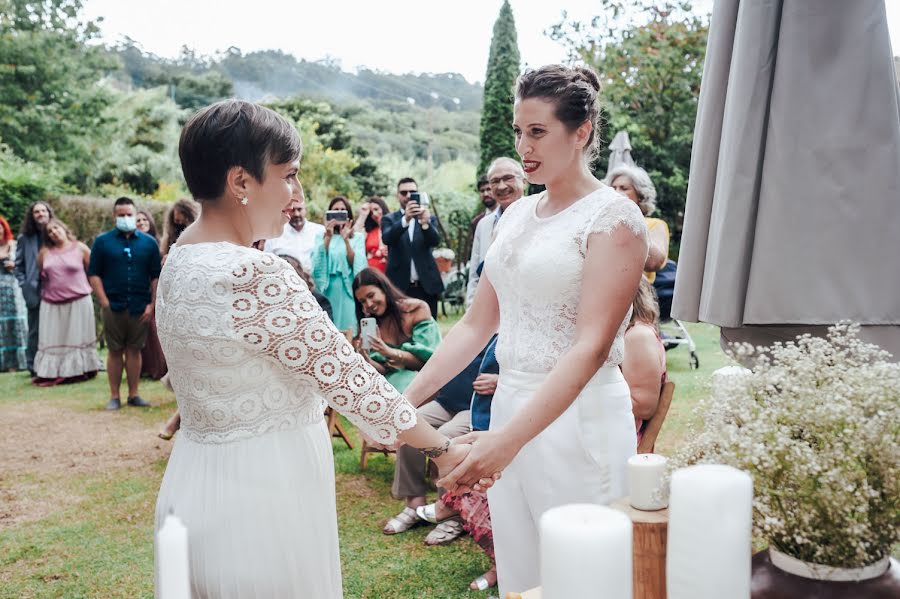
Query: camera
[339,215]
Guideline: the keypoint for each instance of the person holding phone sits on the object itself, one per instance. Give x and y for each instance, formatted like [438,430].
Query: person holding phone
[338,256]
[410,235]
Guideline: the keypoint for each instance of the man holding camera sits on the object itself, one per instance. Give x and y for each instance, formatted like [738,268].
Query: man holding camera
[411,234]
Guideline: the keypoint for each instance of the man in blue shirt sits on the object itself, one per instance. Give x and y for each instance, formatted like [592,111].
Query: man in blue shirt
[123,272]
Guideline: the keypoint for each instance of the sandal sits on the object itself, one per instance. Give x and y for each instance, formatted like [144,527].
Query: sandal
[401,522]
[445,532]
[482,583]
[429,513]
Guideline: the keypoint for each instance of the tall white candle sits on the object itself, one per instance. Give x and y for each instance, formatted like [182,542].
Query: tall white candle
[173,572]
[709,545]
[585,552]
[646,472]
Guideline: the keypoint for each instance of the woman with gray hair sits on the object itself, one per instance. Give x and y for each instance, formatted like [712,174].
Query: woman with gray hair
[634,183]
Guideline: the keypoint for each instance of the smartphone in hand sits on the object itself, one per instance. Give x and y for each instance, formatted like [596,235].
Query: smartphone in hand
[368,328]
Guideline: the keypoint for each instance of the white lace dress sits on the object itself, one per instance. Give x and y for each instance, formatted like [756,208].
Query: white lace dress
[536,266]
[253,361]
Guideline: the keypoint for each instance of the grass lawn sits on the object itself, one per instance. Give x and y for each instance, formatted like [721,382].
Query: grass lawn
[78,487]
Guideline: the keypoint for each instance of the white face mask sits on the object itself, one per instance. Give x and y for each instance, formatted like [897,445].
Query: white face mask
[126,224]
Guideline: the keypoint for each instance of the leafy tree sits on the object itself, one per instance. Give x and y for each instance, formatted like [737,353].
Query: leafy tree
[497,137]
[324,172]
[49,97]
[649,56]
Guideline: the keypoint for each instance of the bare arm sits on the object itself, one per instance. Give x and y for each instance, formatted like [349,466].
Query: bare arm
[460,346]
[40,258]
[97,286]
[642,369]
[85,254]
[612,271]
[659,248]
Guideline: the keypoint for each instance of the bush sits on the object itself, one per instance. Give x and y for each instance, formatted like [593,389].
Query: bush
[21,184]
[90,216]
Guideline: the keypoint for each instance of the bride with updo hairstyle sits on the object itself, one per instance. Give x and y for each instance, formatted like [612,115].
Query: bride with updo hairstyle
[557,285]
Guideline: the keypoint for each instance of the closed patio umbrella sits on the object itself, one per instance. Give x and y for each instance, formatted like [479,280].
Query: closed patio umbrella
[792,220]
[619,152]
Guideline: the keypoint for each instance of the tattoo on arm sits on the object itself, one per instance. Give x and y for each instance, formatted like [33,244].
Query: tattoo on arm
[436,452]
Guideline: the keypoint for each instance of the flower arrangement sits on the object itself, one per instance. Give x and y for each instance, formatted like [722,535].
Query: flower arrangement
[817,425]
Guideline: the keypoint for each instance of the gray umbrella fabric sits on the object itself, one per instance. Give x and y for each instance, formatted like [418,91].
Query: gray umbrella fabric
[792,219]
[619,152]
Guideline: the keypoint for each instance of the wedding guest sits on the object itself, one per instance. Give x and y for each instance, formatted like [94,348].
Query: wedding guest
[634,183]
[644,366]
[507,182]
[489,204]
[67,348]
[153,361]
[179,217]
[407,334]
[146,224]
[13,313]
[411,234]
[339,255]
[123,271]
[369,220]
[299,236]
[28,273]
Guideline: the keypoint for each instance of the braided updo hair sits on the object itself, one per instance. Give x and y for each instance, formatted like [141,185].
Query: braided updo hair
[573,90]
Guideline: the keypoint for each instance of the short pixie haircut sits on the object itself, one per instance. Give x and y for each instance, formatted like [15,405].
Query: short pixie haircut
[233,133]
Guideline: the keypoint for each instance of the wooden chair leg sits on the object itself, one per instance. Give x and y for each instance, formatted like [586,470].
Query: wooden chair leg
[336,429]
[364,456]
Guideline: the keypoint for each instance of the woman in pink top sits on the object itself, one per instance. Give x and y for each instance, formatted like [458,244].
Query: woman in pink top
[67,343]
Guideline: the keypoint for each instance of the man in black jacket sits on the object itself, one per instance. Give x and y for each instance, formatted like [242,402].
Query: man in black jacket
[411,234]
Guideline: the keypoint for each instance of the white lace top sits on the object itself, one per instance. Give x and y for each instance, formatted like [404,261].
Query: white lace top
[250,351]
[535,264]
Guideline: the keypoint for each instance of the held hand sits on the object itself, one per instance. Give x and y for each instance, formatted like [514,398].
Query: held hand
[450,460]
[380,346]
[346,230]
[104,304]
[148,313]
[329,228]
[424,216]
[485,384]
[492,451]
[364,211]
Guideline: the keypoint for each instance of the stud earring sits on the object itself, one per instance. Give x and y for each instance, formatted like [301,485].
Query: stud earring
[244,201]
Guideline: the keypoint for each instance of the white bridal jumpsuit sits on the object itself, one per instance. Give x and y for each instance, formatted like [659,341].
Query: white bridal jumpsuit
[536,266]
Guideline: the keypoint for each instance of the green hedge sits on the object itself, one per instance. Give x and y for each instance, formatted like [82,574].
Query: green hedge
[89,216]
[21,184]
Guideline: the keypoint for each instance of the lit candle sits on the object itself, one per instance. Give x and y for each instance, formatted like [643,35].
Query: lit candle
[646,472]
[709,545]
[585,552]
[173,573]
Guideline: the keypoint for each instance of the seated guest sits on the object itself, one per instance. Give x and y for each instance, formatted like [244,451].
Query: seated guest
[67,345]
[473,507]
[339,255]
[644,367]
[407,334]
[298,268]
[634,183]
[406,338]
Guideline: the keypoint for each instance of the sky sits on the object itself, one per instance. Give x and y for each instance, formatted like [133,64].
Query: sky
[397,36]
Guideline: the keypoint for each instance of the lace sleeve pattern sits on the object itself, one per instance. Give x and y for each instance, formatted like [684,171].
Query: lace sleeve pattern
[274,313]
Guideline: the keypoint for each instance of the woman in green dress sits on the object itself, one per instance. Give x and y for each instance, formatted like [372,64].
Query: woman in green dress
[339,255]
[407,334]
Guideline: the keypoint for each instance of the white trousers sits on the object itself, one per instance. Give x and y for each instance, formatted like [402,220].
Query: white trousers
[580,458]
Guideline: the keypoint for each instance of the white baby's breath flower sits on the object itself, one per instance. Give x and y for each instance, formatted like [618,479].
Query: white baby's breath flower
[817,424]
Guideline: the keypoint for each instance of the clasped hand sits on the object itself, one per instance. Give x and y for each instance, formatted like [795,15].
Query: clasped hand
[490,453]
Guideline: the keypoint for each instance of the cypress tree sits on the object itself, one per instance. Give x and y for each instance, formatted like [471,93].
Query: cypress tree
[497,138]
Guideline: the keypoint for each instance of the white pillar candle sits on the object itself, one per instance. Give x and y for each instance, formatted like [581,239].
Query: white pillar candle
[173,572]
[710,522]
[585,552]
[646,472]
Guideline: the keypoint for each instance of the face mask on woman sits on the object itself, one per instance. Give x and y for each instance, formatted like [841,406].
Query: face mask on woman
[126,224]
